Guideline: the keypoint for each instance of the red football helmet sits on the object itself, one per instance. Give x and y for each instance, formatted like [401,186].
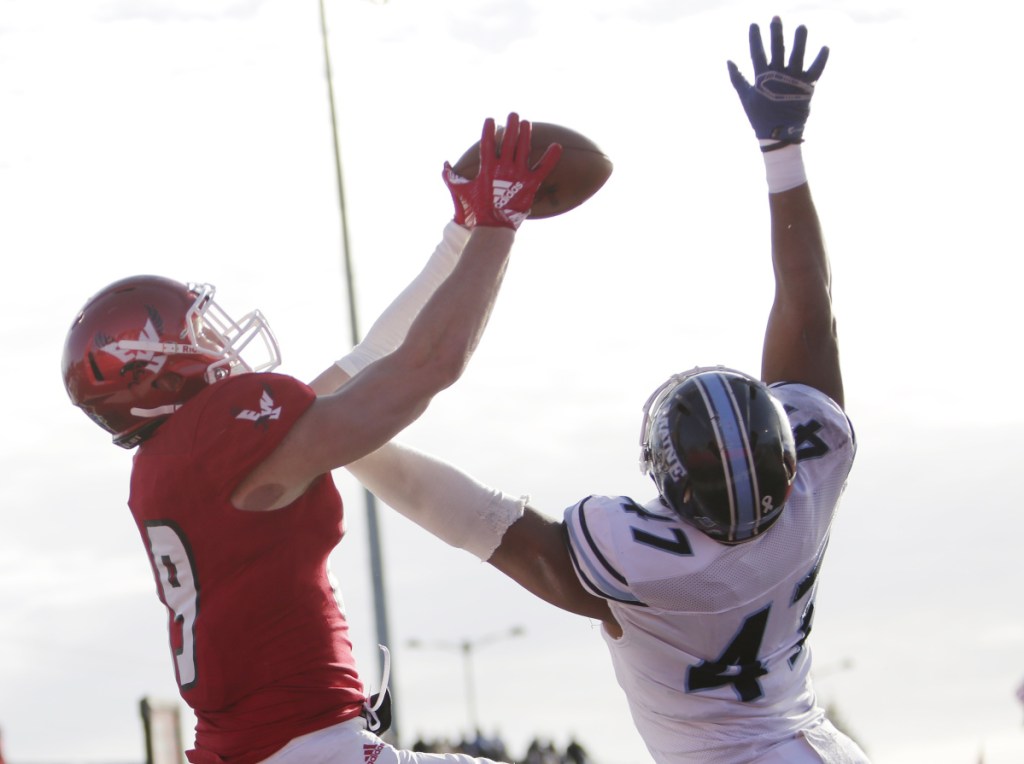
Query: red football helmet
[144,345]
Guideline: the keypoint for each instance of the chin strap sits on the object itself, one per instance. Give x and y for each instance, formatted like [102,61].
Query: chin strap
[377,710]
[167,410]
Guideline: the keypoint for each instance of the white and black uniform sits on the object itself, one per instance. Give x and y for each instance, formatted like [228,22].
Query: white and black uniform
[713,658]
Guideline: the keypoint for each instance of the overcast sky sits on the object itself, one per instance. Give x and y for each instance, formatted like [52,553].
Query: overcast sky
[191,138]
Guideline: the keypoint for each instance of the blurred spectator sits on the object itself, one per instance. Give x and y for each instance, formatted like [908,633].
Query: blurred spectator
[540,751]
[576,753]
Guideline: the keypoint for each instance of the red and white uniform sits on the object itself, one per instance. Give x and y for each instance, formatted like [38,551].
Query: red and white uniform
[260,643]
[713,658]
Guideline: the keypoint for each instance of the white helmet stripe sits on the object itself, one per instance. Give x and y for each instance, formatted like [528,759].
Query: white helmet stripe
[748,455]
[734,447]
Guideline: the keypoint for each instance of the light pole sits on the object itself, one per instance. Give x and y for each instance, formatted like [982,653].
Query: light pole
[380,607]
[467,647]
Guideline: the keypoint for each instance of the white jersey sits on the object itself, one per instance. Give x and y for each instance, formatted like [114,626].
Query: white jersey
[713,658]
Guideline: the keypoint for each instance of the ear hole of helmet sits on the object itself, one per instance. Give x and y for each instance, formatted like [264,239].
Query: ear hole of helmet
[96,373]
[169,382]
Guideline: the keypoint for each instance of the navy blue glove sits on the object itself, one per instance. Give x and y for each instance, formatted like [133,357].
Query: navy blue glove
[779,101]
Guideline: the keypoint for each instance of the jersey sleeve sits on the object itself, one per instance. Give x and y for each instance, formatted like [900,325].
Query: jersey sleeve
[816,420]
[594,546]
[241,423]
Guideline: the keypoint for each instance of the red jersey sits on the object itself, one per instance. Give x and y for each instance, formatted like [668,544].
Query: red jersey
[260,644]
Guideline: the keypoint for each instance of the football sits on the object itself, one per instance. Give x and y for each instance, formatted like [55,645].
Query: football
[581,170]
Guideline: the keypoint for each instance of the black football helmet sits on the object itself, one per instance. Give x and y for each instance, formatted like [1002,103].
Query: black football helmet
[720,448]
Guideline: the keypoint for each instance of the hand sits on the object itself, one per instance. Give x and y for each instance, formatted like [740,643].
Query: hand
[779,101]
[503,190]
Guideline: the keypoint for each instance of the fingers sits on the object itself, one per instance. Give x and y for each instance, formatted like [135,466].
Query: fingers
[757,56]
[510,139]
[451,177]
[738,80]
[487,134]
[796,57]
[523,146]
[488,156]
[547,162]
[816,68]
[516,144]
[778,61]
[795,67]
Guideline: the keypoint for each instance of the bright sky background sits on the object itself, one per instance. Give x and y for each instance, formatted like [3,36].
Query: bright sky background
[191,138]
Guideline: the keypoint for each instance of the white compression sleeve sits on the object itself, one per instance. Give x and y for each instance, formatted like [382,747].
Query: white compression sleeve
[439,498]
[390,328]
[784,168]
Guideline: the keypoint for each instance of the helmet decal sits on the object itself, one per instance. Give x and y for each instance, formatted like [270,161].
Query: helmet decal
[668,459]
[136,360]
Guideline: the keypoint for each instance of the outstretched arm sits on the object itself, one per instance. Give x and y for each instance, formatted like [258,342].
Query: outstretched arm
[534,552]
[391,327]
[503,530]
[516,539]
[800,343]
[390,393]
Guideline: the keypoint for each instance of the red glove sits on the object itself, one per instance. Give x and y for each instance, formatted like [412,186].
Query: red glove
[502,192]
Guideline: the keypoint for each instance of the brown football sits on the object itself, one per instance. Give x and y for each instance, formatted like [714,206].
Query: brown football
[581,170]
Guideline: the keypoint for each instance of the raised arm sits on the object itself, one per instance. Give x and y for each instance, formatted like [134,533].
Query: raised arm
[389,394]
[800,343]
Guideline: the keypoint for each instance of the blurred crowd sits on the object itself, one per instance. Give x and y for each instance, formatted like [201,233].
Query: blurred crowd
[538,752]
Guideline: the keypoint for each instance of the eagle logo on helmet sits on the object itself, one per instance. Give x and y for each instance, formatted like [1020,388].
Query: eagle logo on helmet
[138,362]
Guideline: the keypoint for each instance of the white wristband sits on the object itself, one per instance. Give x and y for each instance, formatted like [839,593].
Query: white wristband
[784,168]
[439,498]
[389,330]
